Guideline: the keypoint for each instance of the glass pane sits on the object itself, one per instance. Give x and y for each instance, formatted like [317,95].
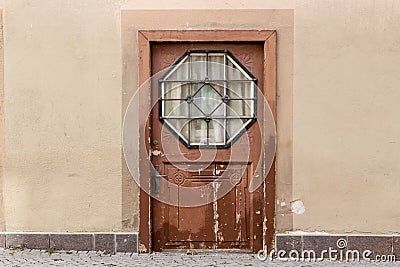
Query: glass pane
[206,99]
[240,108]
[195,111]
[219,112]
[218,86]
[240,89]
[234,73]
[233,127]
[198,66]
[217,131]
[216,67]
[179,126]
[175,108]
[181,72]
[174,90]
[198,131]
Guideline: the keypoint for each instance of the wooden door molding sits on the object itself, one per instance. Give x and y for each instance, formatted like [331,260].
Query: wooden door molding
[268,38]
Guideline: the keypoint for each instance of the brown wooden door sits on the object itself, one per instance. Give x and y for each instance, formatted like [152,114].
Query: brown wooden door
[234,221]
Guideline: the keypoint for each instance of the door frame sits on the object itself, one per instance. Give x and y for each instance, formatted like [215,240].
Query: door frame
[145,37]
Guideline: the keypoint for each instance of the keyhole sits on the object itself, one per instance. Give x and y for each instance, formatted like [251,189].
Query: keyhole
[155,143]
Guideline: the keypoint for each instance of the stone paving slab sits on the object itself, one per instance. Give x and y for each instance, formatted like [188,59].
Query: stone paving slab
[22,258]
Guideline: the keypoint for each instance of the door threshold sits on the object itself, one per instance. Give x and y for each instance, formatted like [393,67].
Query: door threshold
[206,251]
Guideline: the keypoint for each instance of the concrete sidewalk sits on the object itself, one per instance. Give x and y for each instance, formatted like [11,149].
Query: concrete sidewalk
[41,258]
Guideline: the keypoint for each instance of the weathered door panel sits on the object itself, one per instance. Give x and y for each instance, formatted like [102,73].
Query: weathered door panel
[234,221]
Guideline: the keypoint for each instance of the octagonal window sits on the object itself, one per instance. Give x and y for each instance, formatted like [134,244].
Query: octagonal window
[207,98]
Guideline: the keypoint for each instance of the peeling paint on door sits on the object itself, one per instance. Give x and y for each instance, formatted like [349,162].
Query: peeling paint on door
[233,221]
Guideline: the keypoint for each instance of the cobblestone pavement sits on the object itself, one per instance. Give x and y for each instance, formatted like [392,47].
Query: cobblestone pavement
[42,258]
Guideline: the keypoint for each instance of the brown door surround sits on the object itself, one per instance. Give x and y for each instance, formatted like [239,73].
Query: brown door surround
[159,227]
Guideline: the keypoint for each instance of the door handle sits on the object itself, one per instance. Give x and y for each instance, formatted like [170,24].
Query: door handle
[157,182]
[157,177]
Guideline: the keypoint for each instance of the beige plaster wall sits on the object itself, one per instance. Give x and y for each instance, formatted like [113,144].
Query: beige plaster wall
[346,116]
[62,116]
[64,100]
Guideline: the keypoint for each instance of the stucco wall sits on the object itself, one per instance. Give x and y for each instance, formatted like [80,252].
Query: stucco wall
[62,120]
[63,107]
[346,116]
